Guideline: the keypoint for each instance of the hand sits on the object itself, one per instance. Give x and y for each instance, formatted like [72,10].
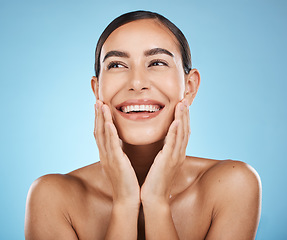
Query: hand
[115,162]
[159,181]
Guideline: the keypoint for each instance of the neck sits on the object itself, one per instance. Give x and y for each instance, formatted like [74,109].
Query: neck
[142,157]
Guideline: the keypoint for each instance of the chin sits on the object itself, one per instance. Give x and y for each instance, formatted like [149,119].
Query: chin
[142,136]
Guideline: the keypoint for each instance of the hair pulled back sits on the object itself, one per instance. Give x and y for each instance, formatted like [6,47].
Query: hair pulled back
[138,15]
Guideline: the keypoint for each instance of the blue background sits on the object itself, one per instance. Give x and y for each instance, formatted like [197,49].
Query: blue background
[46,61]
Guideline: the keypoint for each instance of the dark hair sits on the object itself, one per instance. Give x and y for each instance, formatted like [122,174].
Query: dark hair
[137,15]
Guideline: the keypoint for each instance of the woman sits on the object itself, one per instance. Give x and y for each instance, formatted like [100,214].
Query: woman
[144,186]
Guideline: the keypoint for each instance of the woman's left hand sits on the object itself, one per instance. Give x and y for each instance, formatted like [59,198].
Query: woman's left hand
[159,181]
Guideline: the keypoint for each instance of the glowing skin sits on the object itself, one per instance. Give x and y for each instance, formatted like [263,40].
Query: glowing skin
[143,97]
[140,76]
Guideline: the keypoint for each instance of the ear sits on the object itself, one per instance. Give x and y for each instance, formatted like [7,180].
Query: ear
[192,83]
[95,86]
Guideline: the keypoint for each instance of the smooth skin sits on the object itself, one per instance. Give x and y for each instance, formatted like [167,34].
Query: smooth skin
[145,187]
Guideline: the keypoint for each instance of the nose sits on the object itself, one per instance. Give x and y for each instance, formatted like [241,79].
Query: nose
[138,81]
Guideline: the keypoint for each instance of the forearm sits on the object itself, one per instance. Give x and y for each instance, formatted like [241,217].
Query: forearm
[158,222]
[123,223]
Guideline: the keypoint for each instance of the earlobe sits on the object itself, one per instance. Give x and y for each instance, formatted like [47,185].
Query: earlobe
[192,85]
[95,86]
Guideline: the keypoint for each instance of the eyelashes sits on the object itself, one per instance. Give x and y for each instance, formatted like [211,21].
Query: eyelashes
[153,63]
[115,64]
[158,62]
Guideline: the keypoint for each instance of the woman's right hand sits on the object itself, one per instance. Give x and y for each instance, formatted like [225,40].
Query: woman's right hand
[117,166]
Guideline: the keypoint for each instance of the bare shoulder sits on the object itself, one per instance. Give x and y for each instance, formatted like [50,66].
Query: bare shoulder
[45,205]
[50,181]
[51,200]
[231,175]
[216,175]
[234,188]
[57,188]
[54,187]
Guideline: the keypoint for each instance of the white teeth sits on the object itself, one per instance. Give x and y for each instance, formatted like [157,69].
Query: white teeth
[140,108]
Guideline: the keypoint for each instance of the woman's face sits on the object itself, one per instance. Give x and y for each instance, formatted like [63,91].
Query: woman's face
[141,80]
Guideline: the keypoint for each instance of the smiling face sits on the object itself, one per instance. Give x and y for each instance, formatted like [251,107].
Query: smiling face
[141,80]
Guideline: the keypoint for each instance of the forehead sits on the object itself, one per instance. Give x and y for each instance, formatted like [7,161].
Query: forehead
[139,36]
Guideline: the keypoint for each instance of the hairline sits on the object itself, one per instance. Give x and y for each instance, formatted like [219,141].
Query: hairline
[159,19]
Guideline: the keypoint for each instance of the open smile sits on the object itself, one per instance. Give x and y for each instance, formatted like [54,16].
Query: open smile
[139,109]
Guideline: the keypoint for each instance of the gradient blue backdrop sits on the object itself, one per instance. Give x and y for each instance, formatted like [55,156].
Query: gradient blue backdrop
[46,61]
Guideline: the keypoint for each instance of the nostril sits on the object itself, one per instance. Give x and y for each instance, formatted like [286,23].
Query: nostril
[143,88]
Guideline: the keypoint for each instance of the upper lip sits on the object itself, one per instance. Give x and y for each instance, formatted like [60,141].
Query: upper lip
[139,102]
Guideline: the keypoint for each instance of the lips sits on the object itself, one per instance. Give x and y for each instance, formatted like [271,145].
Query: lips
[139,109]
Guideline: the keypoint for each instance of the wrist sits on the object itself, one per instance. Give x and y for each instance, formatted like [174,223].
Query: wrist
[156,212]
[123,221]
[123,211]
[127,200]
[153,200]
[155,203]
[126,205]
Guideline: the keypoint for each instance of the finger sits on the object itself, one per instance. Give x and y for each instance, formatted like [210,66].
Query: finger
[180,132]
[112,137]
[108,148]
[114,144]
[115,140]
[186,127]
[99,120]
[170,138]
[95,122]
[178,111]
[100,129]
[107,113]
[107,121]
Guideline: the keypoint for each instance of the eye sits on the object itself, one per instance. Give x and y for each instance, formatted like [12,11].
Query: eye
[115,65]
[157,62]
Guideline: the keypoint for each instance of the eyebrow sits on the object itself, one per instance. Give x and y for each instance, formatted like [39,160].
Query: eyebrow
[116,53]
[150,52]
[155,51]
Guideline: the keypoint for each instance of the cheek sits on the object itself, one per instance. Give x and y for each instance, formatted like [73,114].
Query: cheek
[104,90]
[172,85]
[180,84]
[176,90]
[107,89]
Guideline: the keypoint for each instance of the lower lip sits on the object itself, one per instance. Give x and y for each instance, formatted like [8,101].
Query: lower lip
[140,115]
